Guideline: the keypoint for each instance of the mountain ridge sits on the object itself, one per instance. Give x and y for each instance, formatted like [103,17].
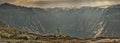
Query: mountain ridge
[13,5]
[82,21]
[9,4]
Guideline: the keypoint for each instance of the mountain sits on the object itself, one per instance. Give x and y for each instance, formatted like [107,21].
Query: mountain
[16,9]
[82,22]
[112,20]
[16,15]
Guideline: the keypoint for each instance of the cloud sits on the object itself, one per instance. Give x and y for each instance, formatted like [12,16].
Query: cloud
[61,3]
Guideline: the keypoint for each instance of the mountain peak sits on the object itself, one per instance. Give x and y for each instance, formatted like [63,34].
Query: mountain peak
[6,4]
[9,5]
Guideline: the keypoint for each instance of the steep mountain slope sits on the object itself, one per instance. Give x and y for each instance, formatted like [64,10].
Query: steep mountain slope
[17,16]
[112,20]
[80,22]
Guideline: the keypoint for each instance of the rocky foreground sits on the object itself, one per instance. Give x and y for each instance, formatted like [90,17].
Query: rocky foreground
[11,35]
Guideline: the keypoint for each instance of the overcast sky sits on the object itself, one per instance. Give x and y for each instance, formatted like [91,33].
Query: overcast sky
[61,3]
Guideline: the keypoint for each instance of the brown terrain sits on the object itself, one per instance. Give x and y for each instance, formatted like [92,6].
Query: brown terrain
[12,35]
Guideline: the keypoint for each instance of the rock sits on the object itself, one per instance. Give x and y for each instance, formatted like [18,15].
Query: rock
[5,35]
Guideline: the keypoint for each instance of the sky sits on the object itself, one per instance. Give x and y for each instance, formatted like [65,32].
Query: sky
[62,3]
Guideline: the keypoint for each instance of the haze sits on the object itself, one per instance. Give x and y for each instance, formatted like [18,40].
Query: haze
[62,3]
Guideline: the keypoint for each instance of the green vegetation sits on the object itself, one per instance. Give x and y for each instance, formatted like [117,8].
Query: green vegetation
[58,30]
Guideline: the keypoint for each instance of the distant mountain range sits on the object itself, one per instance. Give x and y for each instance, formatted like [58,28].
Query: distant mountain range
[82,22]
